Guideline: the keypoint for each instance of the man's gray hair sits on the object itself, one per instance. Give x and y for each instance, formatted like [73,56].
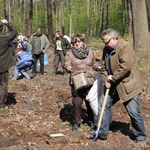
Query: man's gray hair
[111,33]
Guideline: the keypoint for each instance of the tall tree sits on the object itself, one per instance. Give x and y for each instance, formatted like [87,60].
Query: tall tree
[49,20]
[30,18]
[102,15]
[129,19]
[87,19]
[6,9]
[56,10]
[140,30]
[24,17]
[70,10]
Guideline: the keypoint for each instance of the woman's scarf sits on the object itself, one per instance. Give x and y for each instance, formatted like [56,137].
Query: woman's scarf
[80,53]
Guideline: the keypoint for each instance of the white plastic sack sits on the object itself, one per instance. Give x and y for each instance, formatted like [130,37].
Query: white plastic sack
[95,93]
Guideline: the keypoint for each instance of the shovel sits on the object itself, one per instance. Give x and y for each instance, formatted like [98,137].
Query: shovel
[101,115]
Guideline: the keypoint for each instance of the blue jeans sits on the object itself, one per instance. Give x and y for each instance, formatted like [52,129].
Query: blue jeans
[22,68]
[133,108]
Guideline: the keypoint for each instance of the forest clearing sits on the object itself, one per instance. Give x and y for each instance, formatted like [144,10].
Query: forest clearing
[42,106]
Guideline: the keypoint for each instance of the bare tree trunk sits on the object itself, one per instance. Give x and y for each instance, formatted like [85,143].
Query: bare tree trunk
[95,15]
[107,15]
[102,16]
[30,18]
[129,20]
[56,14]
[6,9]
[70,10]
[87,19]
[123,17]
[62,17]
[24,16]
[49,20]
[140,30]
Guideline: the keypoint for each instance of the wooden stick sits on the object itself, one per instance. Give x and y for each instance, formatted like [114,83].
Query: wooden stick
[101,115]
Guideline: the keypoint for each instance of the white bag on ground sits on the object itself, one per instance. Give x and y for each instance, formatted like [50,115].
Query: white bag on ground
[95,93]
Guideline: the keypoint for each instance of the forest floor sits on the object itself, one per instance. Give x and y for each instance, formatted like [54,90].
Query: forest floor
[42,106]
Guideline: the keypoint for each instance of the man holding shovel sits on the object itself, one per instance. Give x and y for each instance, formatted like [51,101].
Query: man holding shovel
[121,76]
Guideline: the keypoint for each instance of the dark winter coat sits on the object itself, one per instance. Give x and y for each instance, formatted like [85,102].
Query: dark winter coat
[6,54]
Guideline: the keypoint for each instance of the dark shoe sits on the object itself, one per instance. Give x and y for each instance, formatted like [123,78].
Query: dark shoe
[102,137]
[75,127]
[132,136]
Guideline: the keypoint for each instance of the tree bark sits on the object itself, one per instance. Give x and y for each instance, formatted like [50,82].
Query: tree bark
[87,19]
[70,10]
[49,20]
[30,18]
[140,30]
[129,20]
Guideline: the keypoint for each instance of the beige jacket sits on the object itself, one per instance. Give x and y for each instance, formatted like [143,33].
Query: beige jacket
[82,65]
[125,70]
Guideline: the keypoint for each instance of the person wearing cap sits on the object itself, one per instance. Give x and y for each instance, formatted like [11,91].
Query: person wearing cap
[6,58]
[38,44]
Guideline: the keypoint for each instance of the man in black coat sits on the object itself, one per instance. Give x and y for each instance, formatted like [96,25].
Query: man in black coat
[6,58]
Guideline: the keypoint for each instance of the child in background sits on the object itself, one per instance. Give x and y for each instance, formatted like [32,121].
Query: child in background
[25,62]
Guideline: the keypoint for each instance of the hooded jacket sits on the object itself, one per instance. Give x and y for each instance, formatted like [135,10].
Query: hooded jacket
[6,54]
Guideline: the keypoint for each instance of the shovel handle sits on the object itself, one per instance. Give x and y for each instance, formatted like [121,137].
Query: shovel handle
[101,115]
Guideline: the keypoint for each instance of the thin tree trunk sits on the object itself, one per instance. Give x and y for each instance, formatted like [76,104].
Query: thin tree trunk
[87,19]
[49,20]
[129,20]
[70,10]
[62,17]
[6,10]
[102,16]
[57,14]
[30,18]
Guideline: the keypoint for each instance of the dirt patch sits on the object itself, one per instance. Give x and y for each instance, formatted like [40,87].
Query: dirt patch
[43,106]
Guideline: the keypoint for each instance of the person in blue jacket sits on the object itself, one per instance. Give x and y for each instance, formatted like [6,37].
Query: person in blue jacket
[26,62]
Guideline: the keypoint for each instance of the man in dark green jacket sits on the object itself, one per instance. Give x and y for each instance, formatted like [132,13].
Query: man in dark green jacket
[6,58]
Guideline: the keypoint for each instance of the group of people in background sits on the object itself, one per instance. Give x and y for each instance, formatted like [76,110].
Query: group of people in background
[36,47]
[119,69]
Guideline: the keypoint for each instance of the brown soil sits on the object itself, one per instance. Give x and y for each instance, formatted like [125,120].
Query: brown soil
[42,106]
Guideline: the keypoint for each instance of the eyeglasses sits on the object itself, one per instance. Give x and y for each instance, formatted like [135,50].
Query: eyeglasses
[77,42]
[106,43]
